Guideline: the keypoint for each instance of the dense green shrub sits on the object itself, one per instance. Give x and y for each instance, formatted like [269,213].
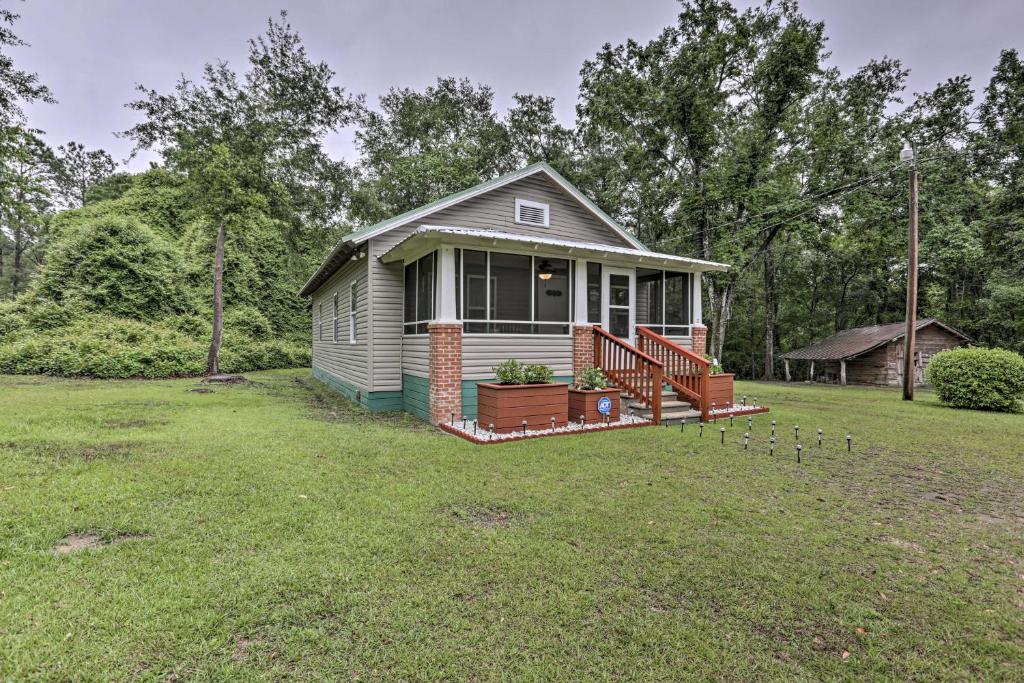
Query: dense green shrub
[590,379]
[247,321]
[107,347]
[983,379]
[117,266]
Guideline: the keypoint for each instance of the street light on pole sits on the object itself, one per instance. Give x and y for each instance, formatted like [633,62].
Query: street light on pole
[908,156]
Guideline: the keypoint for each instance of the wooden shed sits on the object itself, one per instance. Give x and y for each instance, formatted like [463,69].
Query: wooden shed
[874,354]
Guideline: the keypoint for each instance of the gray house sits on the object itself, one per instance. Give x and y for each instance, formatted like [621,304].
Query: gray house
[410,313]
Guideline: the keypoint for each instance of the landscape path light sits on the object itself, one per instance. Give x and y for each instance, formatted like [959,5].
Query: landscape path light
[723,435]
[849,442]
[796,429]
[746,440]
[819,438]
[701,429]
[771,446]
[773,427]
[682,425]
[798,449]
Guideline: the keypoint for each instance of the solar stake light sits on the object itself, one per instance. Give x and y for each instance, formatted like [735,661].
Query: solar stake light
[798,449]
[771,446]
[730,419]
[755,401]
[746,440]
[750,421]
[552,423]
[583,420]
[797,430]
[476,423]
[524,426]
[819,438]
[682,425]
[723,435]
[773,427]
[701,429]
[453,420]
[714,415]
[744,400]
[849,442]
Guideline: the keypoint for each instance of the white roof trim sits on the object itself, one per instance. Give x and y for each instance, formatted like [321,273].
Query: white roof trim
[501,182]
[603,250]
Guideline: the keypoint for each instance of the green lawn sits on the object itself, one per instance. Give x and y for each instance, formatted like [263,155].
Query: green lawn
[271,530]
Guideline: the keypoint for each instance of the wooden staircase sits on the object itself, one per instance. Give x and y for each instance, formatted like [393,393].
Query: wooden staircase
[659,380]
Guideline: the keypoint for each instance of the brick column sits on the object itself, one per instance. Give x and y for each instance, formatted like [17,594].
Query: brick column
[699,337]
[445,371]
[582,348]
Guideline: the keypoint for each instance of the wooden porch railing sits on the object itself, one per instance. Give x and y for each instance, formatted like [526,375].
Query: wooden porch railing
[684,370]
[630,369]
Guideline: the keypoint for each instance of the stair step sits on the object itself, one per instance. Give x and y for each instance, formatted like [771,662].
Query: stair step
[665,406]
[676,417]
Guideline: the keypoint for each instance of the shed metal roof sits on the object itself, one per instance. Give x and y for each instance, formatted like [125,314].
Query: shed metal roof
[860,340]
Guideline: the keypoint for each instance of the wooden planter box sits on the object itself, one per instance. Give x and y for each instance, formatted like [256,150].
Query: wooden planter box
[584,402]
[720,390]
[507,405]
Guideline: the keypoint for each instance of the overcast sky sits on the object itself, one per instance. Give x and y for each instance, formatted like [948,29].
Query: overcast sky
[92,53]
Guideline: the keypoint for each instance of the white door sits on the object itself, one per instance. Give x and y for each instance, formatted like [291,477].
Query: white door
[618,314]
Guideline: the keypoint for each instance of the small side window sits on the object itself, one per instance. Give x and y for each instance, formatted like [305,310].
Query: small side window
[352,309]
[336,319]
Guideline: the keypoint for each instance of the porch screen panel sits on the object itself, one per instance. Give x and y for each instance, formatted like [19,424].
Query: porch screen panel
[419,295]
[677,304]
[474,288]
[594,292]
[552,289]
[510,293]
[649,298]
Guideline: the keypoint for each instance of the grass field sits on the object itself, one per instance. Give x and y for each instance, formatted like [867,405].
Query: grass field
[270,530]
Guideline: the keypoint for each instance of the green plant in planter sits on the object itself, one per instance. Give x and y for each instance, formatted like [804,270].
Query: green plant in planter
[716,367]
[591,379]
[537,374]
[510,372]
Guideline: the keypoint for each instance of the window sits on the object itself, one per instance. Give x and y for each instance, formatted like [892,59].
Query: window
[353,300]
[594,292]
[514,293]
[663,301]
[335,319]
[419,294]
[532,213]
[320,322]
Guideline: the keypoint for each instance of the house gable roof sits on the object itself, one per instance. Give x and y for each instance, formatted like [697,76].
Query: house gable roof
[860,340]
[349,243]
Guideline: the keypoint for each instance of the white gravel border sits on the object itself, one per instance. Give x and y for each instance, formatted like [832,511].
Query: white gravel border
[475,431]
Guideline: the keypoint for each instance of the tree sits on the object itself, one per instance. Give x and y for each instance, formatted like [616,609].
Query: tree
[16,86]
[77,170]
[251,145]
[693,131]
[26,164]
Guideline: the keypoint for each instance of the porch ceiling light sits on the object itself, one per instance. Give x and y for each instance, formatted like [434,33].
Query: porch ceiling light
[544,270]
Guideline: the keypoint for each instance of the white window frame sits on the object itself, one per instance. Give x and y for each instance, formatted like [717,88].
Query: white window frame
[491,296]
[353,299]
[334,319]
[533,205]
[320,322]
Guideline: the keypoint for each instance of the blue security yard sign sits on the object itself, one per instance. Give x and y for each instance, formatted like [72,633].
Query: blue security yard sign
[604,405]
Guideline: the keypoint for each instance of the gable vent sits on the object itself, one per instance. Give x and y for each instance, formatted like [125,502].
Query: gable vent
[531,213]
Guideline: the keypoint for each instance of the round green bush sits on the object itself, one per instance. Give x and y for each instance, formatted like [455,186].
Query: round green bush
[982,379]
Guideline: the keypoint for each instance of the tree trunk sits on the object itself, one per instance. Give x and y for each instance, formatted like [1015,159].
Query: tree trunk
[720,298]
[213,360]
[19,249]
[771,311]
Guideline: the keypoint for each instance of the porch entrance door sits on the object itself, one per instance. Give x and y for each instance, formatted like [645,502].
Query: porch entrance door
[618,315]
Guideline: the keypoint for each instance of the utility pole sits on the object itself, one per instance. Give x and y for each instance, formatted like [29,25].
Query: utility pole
[908,153]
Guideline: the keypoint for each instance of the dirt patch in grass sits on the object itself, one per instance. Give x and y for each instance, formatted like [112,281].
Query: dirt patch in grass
[61,452]
[91,540]
[133,422]
[242,646]
[483,517]
[202,390]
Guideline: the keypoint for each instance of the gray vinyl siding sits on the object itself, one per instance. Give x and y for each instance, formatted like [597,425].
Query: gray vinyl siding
[480,353]
[494,210]
[415,355]
[347,361]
